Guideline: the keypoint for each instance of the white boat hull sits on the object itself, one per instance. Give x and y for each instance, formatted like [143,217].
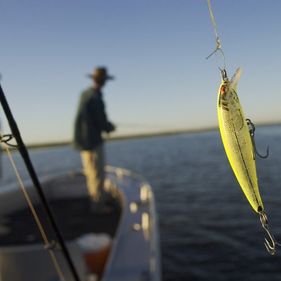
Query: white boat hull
[135,251]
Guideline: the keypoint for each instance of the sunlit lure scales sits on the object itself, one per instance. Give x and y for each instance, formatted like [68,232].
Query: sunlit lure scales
[237,140]
[239,146]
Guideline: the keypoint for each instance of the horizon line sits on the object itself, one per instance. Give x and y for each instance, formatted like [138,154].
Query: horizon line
[143,135]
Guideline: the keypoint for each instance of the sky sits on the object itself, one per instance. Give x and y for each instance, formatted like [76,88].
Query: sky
[157,51]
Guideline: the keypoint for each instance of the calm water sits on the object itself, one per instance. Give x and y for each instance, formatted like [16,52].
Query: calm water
[208,230]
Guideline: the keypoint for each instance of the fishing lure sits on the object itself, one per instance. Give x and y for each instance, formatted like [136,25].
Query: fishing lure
[237,137]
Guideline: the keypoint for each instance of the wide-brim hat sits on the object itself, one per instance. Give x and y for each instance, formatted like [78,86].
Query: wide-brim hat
[100,73]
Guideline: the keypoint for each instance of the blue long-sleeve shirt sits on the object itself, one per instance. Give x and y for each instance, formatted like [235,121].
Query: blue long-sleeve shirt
[90,121]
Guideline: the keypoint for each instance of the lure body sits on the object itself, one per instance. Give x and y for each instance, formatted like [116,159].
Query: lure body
[237,140]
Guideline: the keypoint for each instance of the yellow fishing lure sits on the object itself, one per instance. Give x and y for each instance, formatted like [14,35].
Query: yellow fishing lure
[237,140]
[237,135]
[240,148]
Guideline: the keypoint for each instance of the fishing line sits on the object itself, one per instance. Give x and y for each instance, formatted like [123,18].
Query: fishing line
[218,41]
[35,216]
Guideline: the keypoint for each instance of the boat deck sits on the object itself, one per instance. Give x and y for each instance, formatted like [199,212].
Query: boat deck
[19,227]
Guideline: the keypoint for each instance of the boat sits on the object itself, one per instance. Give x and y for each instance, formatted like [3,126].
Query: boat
[51,231]
[132,248]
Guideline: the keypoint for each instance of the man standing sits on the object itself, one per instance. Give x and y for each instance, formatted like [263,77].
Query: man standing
[90,122]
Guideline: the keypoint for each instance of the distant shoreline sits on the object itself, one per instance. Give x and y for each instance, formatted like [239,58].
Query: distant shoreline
[142,135]
[125,137]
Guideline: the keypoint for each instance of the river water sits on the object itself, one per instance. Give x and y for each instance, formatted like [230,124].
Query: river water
[208,230]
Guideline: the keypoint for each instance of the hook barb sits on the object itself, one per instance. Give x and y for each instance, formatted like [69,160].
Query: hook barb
[270,241]
[270,246]
[252,129]
[263,156]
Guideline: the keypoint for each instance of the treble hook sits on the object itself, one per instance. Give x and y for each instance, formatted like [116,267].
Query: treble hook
[252,134]
[270,244]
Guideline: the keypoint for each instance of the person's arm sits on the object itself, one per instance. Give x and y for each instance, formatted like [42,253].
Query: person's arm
[101,118]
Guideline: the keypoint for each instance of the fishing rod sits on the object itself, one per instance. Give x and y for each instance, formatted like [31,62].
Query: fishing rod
[25,155]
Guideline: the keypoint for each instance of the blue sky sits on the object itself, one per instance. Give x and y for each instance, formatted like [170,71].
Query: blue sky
[155,48]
